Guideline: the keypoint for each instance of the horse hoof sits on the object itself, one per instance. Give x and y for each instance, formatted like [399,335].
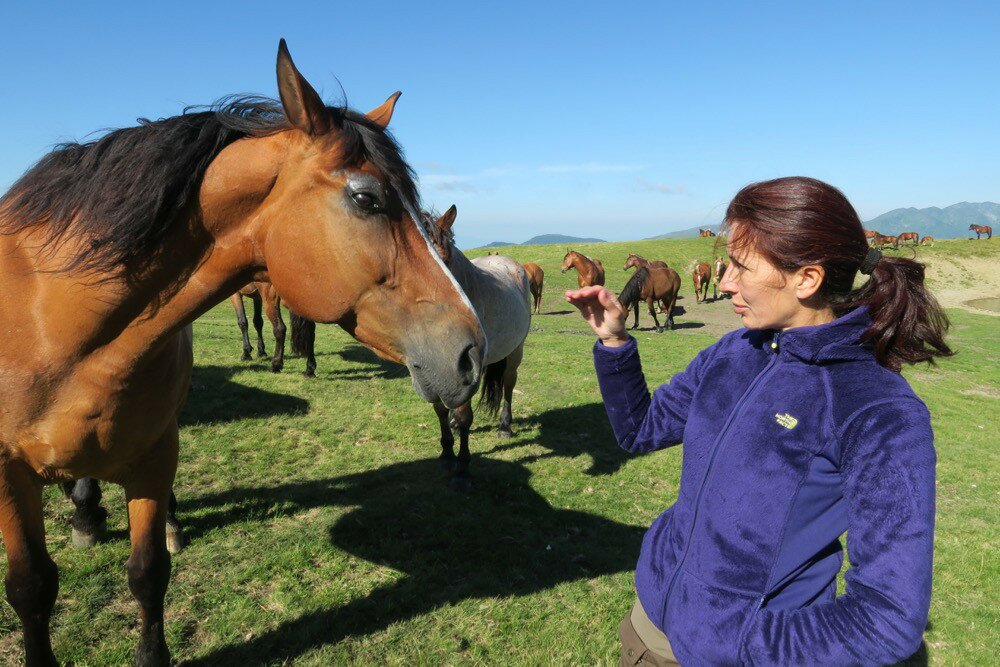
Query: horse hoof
[276,368]
[460,484]
[659,329]
[262,355]
[246,357]
[175,539]
[309,374]
[505,432]
[86,540]
[447,463]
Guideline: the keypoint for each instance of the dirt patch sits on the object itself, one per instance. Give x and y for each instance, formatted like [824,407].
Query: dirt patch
[971,283]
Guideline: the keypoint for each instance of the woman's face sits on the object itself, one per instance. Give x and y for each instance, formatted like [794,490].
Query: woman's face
[762,295]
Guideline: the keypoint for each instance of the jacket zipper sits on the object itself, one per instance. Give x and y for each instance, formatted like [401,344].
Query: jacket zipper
[708,470]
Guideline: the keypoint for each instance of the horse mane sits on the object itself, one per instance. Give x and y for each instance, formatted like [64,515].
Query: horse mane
[632,291]
[429,220]
[127,190]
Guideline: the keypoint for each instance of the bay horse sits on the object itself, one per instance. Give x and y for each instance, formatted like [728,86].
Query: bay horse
[110,250]
[499,289]
[881,241]
[980,230]
[719,270]
[536,281]
[908,236]
[261,294]
[702,275]
[652,284]
[927,240]
[870,235]
[636,261]
[589,271]
[706,233]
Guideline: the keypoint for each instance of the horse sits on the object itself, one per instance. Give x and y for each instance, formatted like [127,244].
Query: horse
[719,270]
[870,235]
[589,271]
[927,240]
[881,241]
[261,293]
[705,233]
[500,290]
[982,229]
[702,275]
[908,236]
[112,248]
[536,281]
[634,260]
[652,284]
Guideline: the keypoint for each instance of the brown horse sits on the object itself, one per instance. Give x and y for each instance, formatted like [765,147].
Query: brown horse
[652,284]
[634,260]
[589,271]
[980,230]
[881,241]
[927,240]
[702,275]
[913,237]
[719,270]
[870,235]
[261,293]
[705,233]
[536,281]
[111,249]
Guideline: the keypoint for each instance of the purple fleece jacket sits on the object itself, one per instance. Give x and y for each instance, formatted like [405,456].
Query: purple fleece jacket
[790,439]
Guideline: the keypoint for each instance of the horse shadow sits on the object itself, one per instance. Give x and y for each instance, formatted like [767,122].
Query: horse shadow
[215,399]
[571,432]
[371,365]
[505,541]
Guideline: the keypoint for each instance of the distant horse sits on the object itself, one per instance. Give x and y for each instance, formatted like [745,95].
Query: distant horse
[881,241]
[982,229]
[652,284]
[499,289]
[870,235]
[701,275]
[589,271]
[908,236]
[927,240]
[705,233]
[536,281]
[260,292]
[634,260]
[719,271]
[109,250]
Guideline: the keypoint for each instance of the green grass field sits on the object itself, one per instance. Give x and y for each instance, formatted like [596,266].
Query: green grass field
[321,529]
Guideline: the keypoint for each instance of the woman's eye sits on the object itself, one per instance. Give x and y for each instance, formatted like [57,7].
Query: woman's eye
[365,201]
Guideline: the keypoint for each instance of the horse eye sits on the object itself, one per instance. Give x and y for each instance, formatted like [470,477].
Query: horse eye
[365,200]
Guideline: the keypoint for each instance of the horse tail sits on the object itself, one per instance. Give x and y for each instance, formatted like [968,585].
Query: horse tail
[301,328]
[491,395]
[632,291]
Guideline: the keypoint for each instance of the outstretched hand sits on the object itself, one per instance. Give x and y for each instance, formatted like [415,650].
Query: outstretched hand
[603,312]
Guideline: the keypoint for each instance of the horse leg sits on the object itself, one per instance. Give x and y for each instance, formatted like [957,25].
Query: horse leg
[651,304]
[90,521]
[148,567]
[447,457]
[461,420]
[272,308]
[635,325]
[175,531]
[258,324]
[670,310]
[509,381]
[32,580]
[241,321]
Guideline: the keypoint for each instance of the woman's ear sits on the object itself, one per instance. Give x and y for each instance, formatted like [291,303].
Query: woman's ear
[809,280]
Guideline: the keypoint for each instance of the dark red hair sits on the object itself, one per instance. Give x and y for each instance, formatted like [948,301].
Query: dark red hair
[798,221]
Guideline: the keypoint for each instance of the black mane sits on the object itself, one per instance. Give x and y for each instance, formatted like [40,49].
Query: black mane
[128,189]
[632,291]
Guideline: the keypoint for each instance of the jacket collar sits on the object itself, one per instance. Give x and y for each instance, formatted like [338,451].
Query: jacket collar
[839,340]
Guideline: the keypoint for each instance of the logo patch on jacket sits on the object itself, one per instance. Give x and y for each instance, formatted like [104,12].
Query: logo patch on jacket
[786,420]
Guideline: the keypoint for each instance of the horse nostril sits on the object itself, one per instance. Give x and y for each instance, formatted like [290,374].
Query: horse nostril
[468,365]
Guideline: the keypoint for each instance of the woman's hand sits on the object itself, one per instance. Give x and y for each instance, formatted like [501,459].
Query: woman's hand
[603,312]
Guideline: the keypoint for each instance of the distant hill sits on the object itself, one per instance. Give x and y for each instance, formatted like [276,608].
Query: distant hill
[546,239]
[943,223]
[684,233]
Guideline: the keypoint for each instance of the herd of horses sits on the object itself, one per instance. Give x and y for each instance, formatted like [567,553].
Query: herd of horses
[881,241]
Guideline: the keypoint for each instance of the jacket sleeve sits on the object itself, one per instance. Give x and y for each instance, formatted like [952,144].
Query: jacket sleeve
[642,424]
[888,475]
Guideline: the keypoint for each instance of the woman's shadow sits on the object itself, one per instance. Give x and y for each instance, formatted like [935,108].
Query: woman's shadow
[504,541]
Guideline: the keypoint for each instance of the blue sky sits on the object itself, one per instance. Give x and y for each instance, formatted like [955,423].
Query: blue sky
[615,120]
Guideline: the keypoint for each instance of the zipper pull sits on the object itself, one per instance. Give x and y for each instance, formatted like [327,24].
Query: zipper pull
[774,342]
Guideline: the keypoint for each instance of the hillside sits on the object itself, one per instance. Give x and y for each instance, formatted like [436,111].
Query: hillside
[943,223]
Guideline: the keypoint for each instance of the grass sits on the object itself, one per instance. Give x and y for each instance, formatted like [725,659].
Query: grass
[322,532]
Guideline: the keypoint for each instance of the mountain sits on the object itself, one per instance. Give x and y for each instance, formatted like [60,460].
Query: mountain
[546,239]
[943,223]
[684,233]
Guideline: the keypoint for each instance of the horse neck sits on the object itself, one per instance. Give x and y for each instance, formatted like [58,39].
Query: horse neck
[502,309]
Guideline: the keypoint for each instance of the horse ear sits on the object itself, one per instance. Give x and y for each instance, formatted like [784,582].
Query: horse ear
[303,106]
[382,114]
[448,219]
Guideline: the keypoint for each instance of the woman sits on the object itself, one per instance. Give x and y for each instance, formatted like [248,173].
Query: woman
[795,429]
